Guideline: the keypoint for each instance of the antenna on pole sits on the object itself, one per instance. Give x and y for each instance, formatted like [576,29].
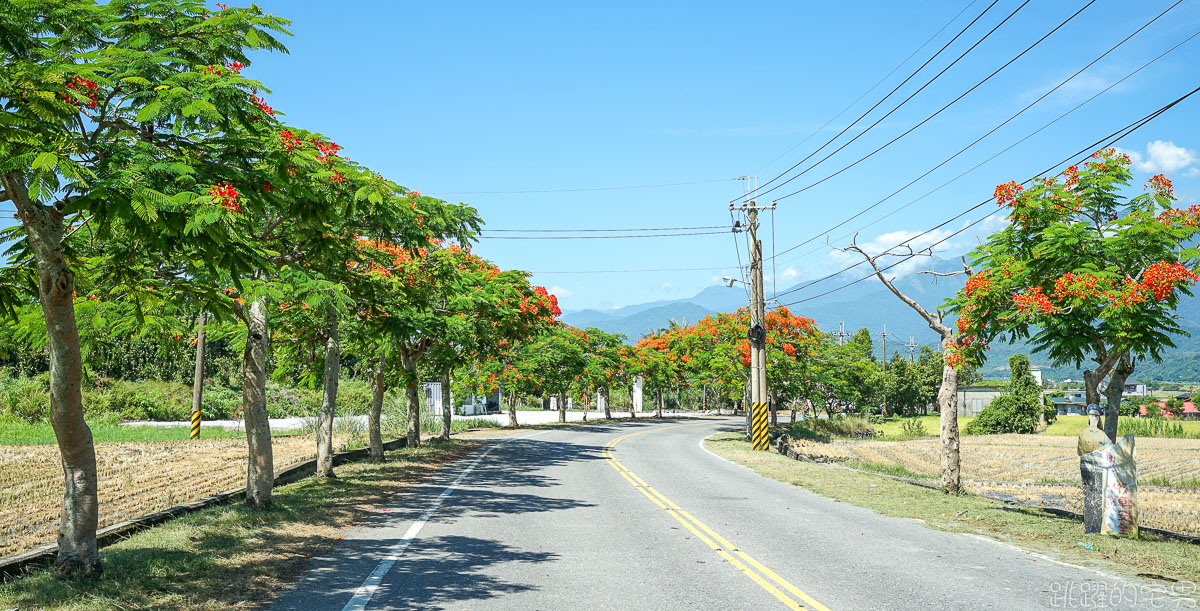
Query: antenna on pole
[841,333]
[912,347]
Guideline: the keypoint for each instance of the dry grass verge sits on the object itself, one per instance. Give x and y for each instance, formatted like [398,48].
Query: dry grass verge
[231,556]
[1027,528]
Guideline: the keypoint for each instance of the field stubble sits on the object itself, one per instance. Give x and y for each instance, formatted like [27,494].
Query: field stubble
[135,479]
[1040,469]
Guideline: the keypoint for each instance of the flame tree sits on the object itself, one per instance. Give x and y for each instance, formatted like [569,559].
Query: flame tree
[1084,273]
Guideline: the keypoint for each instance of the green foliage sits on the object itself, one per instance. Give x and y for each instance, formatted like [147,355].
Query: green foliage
[912,428]
[1019,411]
[1152,427]
[839,426]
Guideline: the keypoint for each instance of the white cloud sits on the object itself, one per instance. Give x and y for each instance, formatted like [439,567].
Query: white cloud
[789,274]
[667,285]
[559,292]
[1192,173]
[1162,156]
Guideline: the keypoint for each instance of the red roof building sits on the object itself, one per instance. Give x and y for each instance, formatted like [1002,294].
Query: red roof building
[1189,411]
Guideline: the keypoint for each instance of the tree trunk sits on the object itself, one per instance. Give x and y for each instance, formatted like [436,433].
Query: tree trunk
[948,419]
[447,406]
[373,431]
[658,414]
[632,413]
[408,360]
[794,404]
[333,367]
[78,551]
[704,399]
[512,409]
[607,401]
[587,404]
[562,407]
[1114,392]
[774,407]
[260,467]
[198,377]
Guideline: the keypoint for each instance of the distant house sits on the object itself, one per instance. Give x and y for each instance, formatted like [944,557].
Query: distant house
[1189,411]
[972,399]
[1069,403]
[1133,388]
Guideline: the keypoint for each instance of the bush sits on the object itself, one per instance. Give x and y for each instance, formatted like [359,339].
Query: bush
[843,426]
[1005,414]
[25,399]
[1151,427]
[913,428]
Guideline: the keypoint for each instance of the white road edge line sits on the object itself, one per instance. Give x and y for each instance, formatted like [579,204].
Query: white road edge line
[363,595]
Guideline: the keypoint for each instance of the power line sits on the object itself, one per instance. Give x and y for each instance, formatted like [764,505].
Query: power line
[599,237]
[926,119]
[989,159]
[635,271]
[576,190]
[1105,141]
[873,87]
[612,230]
[1002,124]
[894,90]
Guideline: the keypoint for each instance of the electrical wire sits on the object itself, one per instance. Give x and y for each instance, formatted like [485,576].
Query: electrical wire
[635,271]
[599,237]
[894,90]
[606,230]
[868,91]
[576,190]
[1103,142]
[926,119]
[1005,150]
[1002,124]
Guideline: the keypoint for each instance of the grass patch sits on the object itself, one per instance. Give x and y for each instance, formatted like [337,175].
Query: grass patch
[231,556]
[893,428]
[1071,425]
[1027,528]
[20,433]
[886,469]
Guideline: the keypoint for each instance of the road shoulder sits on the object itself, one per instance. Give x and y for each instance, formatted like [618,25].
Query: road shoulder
[1059,538]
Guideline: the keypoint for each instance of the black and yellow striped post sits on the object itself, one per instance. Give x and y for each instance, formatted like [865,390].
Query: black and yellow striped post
[758,427]
[196,418]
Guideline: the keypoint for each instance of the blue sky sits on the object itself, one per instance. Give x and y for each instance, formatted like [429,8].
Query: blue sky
[458,98]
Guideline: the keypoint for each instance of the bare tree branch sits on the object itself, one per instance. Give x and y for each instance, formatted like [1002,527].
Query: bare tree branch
[933,319]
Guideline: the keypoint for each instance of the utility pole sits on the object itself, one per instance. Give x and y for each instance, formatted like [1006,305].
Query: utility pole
[912,347]
[198,380]
[757,333]
[885,335]
[841,333]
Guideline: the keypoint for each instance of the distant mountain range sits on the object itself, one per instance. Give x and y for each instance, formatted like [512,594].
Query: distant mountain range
[868,304]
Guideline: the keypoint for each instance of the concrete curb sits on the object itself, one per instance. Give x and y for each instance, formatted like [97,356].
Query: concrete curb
[783,446]
[20,564]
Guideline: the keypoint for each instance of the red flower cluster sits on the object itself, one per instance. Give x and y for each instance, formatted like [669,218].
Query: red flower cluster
[1175,216]
[289,140]
[789,349]
[1034,300]
[1072,174]
[227,196]
[85,87]
[1076,286]
[978,283]
[1006,194]
[744,350]
[261,104]
[1161,185]
[212,70]
[327,152]
[337,177]
[236,67]
[1162,278]
[222,6]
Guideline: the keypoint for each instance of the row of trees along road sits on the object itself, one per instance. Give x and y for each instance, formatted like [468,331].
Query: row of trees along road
[153,183]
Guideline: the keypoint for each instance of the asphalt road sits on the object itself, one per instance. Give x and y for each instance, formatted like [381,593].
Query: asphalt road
[547,521]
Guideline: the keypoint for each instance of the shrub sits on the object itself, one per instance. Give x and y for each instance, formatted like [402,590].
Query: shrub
[843,426]
[1005,414]
[26,399]
[913,428]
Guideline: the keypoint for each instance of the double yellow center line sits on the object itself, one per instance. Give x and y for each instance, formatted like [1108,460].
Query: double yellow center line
[755,570]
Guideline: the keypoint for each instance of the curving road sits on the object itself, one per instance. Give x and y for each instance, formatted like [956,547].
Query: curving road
[639,516]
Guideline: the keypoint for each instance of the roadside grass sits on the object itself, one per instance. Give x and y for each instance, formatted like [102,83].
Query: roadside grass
[1030,529]
[232,556]
[15,432]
